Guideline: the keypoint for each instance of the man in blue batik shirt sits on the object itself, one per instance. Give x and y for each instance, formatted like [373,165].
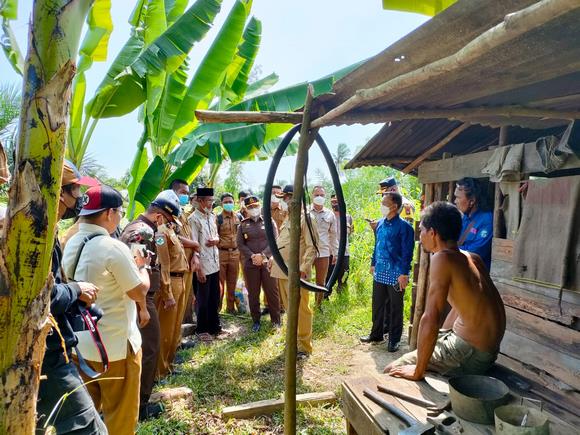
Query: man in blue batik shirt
[477,229]
[391,264]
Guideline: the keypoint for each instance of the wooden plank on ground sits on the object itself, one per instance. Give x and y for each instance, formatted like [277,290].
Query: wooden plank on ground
[545,332]
[502,249]
[266,407]
[171,394]
[560,365]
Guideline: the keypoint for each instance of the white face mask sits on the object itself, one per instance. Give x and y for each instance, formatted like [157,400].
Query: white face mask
[275,199]
[284,205]
[319,200]
[254,212]
[385,210]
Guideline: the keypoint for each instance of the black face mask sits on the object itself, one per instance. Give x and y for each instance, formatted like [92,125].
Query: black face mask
[74,212]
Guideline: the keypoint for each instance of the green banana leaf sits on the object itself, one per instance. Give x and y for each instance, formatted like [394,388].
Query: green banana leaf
[245,57]
[123,89]
[424,7]
[171,48]
[152,181]
[210,71]
[9,11]
[93,49]
[138,169]
[155,25]
[174,9]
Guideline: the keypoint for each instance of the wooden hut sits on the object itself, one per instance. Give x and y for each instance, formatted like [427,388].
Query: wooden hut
[490,89]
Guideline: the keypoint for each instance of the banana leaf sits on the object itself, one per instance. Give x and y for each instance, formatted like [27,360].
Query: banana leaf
[168,51]
[9,11]
[245,57]
[210,72]
[424,7]
[155,25]
[152,181]
[123,89]
[174,9]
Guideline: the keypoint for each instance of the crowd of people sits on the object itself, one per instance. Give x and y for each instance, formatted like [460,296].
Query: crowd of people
[178,261]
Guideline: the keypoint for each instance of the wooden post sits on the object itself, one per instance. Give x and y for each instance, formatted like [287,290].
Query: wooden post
[306,139]
[498,197]
[423,281]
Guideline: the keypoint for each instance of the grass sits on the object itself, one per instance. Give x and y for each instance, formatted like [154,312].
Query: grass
[247,367]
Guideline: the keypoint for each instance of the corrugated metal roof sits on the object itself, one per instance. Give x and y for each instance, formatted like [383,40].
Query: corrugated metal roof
[540,69]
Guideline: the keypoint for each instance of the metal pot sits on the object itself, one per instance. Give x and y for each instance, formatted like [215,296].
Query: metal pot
[474,398]
[520,420]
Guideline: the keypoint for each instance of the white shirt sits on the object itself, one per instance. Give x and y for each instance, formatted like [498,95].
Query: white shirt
[327,233]
[204,228]
[108,264]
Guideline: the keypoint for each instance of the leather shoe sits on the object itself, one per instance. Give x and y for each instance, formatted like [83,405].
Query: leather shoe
[369,339]
[393,347]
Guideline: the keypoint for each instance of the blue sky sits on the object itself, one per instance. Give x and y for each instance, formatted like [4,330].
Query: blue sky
[301,40]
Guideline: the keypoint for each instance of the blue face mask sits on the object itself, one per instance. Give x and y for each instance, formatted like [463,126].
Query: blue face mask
[228,207]
[183,199]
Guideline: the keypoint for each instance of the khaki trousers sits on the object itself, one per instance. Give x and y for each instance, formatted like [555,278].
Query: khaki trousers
[189,298]
[170,326]
[229,271]
[305,316]
[118,398]
[321,269]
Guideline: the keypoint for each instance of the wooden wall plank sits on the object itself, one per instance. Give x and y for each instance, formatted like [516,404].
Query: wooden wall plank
[561,366]
[539,305]
[548,333]
[502,249]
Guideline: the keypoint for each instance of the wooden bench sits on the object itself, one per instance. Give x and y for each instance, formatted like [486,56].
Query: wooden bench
[364,417]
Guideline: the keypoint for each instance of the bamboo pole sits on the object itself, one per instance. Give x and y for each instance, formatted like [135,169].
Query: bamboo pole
[423,280]
[513,26]
[472,114]
[210,116]
[435,148]
[306,138]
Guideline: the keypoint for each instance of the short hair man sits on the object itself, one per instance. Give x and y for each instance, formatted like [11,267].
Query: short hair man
[204,231]
[227,226]
[278,212]
[308,237]
[343,273]
[62,377]
[144,230]
[390,267]
[327,234]
[123,281]
[477,222]
[460,278]
[242,195]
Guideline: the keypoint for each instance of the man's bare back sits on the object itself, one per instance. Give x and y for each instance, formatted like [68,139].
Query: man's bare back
[474,299]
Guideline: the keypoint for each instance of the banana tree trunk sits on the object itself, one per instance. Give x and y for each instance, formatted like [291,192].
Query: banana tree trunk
[28,236]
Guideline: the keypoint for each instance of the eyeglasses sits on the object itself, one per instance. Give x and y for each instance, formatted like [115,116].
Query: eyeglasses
[121,211]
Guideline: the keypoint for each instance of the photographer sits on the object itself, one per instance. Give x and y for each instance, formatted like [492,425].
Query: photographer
[78,412]
[123,281]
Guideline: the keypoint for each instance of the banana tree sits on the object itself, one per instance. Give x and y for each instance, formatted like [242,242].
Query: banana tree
[27,240]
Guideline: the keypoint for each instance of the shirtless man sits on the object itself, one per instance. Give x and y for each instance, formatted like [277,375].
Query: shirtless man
[477,315]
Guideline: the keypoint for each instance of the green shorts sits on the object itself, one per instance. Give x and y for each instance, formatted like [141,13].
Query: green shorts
[454,356]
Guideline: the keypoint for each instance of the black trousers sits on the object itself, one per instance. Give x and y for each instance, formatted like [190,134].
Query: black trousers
[150,336]
[207,305]
[260,277]
[387,302]
[77,414]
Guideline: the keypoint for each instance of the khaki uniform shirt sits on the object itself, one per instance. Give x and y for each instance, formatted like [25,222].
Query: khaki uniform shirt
[227,225]
[279,216]
[108,264]
[203,228]
[307,247]
[185,231]
[327,232]
[252,239]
